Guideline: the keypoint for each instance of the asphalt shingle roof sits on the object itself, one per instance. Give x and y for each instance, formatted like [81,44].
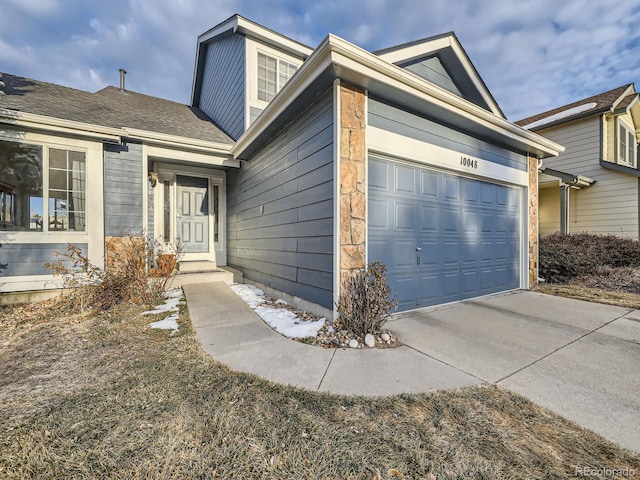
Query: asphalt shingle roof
[109,107]
[602,100]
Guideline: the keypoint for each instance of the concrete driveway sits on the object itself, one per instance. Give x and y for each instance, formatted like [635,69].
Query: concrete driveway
[579,359]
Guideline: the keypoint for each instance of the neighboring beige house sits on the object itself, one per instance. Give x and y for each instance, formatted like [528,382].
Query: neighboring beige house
[593,186]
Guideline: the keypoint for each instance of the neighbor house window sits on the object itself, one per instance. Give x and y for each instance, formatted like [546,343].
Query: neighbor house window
[273,73]
[627,146]
[25,203]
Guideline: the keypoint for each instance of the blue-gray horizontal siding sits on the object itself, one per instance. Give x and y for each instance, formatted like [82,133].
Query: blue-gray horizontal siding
[396,120]
[223,84]
[431,69]
[122,189]
[18,259]
[280,209]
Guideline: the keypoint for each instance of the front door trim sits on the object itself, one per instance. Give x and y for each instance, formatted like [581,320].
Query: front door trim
[216,178]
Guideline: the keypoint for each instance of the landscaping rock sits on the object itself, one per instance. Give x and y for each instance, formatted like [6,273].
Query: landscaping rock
[369,340]
[385,337]
[353,343]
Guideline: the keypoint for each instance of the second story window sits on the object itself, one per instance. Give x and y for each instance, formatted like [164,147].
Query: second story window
[627,146]
[273,73]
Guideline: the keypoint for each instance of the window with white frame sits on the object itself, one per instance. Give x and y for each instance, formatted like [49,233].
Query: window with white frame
[627,146]
[273,73]
[43,188]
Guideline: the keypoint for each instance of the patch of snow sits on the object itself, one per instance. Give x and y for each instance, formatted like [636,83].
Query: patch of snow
[173,297]
[169,323]
[280,319]
[560,115]
[251,295]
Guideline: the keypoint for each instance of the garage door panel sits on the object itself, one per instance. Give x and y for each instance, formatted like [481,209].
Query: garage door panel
[379,214]
[405,180]
[429,218]
[403,288]
[378,175]
[429,184]
[450,251]
[450,220]
[378,250]
[446,238]
[470,283]
[404,254]
[451,188]
[471,192]
[487,279]
[450,287]
[405,216]
[428,290]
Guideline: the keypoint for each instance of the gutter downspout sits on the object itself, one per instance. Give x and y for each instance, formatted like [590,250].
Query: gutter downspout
[564,208]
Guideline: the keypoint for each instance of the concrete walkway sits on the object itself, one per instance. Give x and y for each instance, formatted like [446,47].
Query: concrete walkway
[579,359]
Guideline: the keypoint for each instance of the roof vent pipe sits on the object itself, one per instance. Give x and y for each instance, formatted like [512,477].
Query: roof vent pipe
[123,72]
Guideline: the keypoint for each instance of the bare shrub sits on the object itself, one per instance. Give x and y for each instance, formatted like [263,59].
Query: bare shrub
[365,303]
[129,275]
[563,257]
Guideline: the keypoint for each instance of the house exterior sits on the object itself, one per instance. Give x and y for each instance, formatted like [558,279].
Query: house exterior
[314,162]
[593,186]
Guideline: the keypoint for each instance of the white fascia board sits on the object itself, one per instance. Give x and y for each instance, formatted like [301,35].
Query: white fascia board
[352,57]
[399,146]
[229,24]
[411,52]
[475,77]
[344,55]
[58,125]
[630,90]
[176,141]
[251,29]
[319,60]
[201,158]
[414,51]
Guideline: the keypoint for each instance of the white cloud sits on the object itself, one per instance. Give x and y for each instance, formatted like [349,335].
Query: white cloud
[533,55]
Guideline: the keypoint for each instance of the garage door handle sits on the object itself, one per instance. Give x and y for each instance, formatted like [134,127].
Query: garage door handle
[418,249]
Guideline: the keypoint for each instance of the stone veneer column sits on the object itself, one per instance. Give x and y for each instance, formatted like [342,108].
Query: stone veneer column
[352,191]
[533,222]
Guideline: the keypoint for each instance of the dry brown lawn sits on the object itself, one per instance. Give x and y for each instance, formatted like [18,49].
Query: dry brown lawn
[105,397]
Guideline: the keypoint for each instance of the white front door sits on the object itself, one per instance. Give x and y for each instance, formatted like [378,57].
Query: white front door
[192,214]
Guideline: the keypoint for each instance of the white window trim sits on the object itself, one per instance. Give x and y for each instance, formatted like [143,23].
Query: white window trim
[94,234]
[622,153]
[252,50]
[46,146]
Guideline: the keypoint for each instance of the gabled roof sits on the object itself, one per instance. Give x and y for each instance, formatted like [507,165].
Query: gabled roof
[109,107]
[596,104]
[240,25]
[336,58]
[455,60]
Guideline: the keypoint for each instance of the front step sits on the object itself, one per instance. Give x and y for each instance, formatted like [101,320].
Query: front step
[203,277]
[203,272]
[197,266]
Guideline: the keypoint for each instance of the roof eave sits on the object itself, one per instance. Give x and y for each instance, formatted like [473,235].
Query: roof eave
[579,116]
[58,125]
[350,59]
[109,134]
[418,48]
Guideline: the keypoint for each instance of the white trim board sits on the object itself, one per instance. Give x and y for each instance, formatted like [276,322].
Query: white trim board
[399,146]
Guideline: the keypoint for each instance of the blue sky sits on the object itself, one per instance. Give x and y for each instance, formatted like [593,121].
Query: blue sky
[533,55]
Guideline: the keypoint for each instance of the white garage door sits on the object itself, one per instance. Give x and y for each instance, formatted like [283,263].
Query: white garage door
[442,237]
